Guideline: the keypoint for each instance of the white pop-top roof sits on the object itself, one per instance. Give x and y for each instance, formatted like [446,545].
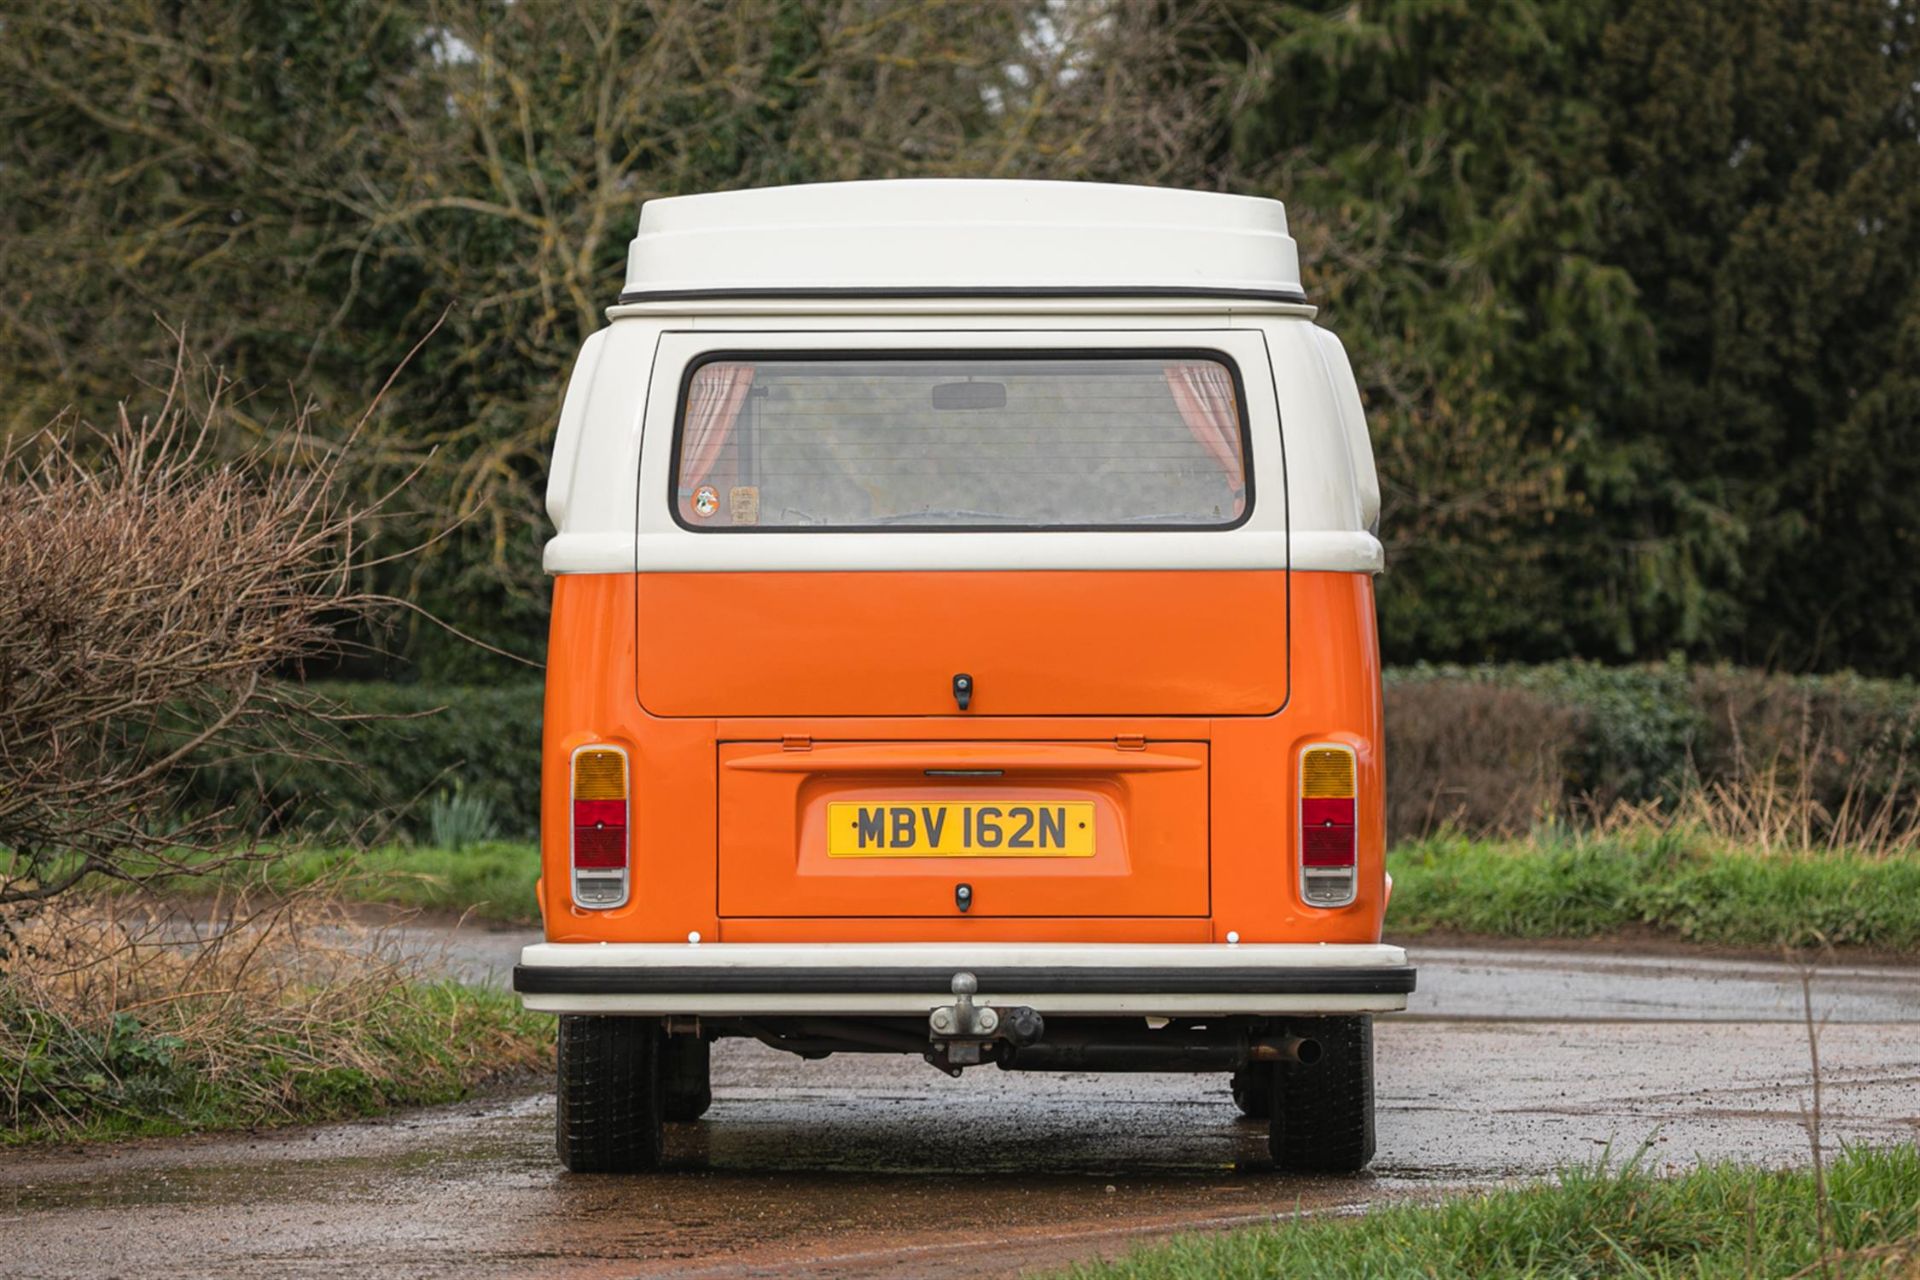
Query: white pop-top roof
[965,236]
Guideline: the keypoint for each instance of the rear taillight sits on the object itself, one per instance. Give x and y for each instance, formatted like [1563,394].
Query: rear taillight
[601,831]
[1329,837]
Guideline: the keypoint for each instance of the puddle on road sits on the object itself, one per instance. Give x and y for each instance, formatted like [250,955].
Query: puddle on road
[343,1179]
[877,1165]
[798,1180]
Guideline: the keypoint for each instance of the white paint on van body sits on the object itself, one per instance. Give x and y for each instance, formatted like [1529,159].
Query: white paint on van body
[1316,495]
[962,235]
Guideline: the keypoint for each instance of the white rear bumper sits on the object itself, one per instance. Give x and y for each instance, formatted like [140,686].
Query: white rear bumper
[1148,979]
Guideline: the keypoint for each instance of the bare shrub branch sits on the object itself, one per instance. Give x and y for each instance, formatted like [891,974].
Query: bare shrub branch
[156,589]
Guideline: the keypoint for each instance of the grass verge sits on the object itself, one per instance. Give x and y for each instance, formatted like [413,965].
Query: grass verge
[1677,882]
[492,881]
[1718,1221]
[115,1024]
[1680,880]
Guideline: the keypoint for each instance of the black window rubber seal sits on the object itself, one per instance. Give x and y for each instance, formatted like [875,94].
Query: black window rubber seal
[825,355]
[1292,296]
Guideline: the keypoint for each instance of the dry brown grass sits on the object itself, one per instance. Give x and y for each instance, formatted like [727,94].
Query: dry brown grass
[1794,769]
[1773,811]
[1782,805]
[117,1016]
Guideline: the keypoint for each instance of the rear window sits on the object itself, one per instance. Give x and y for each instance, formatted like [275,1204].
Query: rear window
[962,442]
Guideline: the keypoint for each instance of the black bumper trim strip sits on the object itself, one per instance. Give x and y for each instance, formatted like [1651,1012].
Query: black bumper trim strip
[980,291]
[697,980]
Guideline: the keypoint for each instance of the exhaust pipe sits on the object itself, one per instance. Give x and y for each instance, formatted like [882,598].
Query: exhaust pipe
[1064,1050]
[1296,1049]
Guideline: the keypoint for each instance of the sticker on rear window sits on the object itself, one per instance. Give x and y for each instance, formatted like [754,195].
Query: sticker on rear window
[743,503]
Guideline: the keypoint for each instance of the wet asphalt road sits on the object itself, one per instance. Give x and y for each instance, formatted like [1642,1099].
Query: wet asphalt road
[1510,1064]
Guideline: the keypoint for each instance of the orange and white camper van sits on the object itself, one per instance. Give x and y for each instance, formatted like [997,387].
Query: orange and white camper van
[963,646]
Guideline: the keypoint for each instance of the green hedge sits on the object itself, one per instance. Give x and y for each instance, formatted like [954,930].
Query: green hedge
[1649,732]
[1490,748]
[1633,731]
[405,744]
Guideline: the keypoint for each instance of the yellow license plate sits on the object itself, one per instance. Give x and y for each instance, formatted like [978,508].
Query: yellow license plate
[974,829]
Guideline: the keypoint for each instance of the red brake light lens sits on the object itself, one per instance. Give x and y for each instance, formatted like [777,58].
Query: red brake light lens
[1327,833]
[600,833]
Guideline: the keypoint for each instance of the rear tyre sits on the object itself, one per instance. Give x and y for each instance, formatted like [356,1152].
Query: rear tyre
[1322,1119]
[608,1106]
[1253,1091]
[686,1077]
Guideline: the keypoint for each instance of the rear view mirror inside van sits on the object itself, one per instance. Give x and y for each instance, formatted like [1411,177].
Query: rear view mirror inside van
[970,395]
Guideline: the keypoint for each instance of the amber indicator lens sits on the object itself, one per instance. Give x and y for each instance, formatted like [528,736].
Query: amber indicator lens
[1327,774]
[599,773]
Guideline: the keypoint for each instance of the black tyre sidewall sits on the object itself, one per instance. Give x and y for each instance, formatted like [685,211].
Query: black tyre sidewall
[607,1109]
[1323,1114]
[686,1077]
[1252,1089]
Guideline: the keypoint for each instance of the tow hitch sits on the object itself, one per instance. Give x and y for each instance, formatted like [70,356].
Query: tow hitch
[961,1032]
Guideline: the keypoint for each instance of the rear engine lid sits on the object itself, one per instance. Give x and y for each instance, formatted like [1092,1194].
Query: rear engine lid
[994,829]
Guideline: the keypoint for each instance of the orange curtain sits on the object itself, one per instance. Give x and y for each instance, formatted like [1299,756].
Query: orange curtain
[713,406]
[1204,394]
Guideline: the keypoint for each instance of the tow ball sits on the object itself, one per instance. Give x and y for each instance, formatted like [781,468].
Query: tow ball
[962,1031]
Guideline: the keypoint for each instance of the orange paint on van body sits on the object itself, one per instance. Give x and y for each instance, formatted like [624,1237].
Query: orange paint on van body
[1170,643]
[1083,678]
